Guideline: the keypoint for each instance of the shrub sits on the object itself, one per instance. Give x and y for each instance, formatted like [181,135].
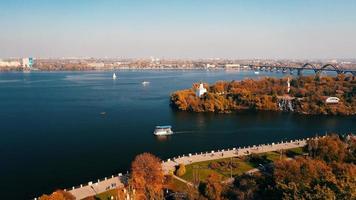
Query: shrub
[181,170]
[234,165]
[214,165]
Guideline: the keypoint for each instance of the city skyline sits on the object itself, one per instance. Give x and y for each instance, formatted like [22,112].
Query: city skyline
[179,29]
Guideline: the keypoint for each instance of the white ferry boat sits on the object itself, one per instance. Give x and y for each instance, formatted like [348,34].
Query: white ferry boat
[144,83]
[163,130]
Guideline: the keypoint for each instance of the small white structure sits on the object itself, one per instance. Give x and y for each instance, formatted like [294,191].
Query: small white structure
[232,65]
[332,100]
[27,62]
[210,66]
[288,84]
[201,90]
[96,64]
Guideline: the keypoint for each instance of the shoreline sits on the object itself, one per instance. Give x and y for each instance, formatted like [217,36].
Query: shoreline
[119,69]
[92,188]
[307,95]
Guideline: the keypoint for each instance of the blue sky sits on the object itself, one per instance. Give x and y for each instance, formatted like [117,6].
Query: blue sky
[179,28]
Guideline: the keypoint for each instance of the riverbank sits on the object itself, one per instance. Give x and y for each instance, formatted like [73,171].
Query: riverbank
[93,188]
[170,164]
[302,95]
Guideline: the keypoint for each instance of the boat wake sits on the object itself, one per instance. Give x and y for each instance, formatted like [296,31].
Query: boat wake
[179,132]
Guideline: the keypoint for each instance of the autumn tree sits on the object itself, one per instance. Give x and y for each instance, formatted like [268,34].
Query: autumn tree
[351,147]
[147,177]
[345,174]
[212,187]
[245,187]
[58,195]
[181,170]
[329,148]
[304,179]
[309,95]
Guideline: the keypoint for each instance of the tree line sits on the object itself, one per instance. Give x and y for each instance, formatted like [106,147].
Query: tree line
[307,95]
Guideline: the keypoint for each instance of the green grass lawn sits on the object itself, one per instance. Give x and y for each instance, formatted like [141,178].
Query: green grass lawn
[107,195]
[203,170]
[273,156]
[295,152]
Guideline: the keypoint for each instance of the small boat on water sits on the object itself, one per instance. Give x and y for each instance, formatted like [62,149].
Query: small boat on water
[114,76]
[257,72]
[163,130]
[145,83]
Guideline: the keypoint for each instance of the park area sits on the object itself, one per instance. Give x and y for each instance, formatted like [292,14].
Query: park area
[224,168]
[230,167]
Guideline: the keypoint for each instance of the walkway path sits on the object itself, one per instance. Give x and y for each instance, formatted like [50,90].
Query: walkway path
[92,189]
[169,165]
[183,180]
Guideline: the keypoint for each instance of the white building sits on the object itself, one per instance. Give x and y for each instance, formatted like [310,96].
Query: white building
[232,65]
[201,90]
[27,62]
[332,100]
[210,66]
[96,64]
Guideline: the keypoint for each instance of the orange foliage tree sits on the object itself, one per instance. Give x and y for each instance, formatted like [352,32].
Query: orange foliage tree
[329,149]
[212,188]
[306,178]
[58,195]
[307,94]
[147,177]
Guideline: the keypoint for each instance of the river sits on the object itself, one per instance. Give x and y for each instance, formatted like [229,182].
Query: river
[61,129]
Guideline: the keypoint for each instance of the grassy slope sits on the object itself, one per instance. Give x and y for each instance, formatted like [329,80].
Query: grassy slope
[203,169]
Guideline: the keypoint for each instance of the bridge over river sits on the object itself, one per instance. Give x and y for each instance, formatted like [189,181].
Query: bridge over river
[317,68]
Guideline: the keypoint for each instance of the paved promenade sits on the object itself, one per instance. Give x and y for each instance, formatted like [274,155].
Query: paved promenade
[169,165]
[100,186]
[92,189]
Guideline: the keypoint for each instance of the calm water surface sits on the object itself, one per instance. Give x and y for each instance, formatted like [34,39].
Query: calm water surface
[52,134]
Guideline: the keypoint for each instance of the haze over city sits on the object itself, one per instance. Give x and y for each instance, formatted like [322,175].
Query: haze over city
[178,29]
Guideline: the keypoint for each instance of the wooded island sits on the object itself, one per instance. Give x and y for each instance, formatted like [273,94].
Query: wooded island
[305,95]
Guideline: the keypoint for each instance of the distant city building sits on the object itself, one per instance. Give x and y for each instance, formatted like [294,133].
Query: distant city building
[96,64]
[232,65]
[9,63]
[155,60]
[332,100]
[201,90]
[210,66]
[27,62]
